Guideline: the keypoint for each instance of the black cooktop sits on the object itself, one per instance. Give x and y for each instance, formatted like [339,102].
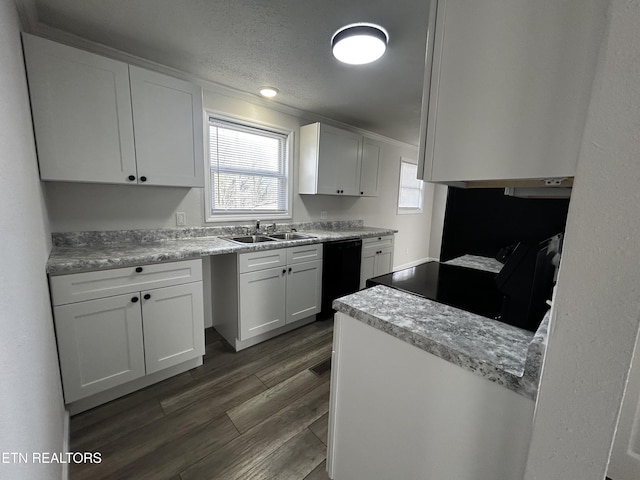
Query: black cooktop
[465,288]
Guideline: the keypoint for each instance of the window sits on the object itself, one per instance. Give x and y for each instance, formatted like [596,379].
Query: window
[248,172]
[410,192]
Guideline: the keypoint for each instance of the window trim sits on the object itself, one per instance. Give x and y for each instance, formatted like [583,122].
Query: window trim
[235,217]
[409,210]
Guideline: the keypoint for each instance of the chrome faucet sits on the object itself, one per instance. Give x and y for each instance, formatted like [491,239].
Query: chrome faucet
[273,228]
[256,229]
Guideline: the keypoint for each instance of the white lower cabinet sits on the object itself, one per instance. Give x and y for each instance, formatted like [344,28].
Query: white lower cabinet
[173,330]
[100,344]
[408,414]
[304,290]
[377,257]
[107,341]
[277,296]
[276,290]
[262,297]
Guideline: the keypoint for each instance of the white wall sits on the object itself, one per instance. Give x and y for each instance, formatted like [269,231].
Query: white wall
[31,409]
[77,207]
[597,302]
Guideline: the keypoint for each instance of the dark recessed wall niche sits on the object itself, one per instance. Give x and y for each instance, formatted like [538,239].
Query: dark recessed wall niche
[482,221]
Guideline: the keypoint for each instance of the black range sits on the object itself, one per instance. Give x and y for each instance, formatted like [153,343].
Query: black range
[465,288]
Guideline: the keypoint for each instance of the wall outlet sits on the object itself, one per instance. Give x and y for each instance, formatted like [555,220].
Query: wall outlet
[323,215]
[181,219]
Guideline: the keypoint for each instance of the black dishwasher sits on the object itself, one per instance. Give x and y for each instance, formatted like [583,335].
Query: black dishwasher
[340,272]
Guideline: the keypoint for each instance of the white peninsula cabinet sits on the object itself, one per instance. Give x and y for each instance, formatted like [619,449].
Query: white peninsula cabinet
[102,120]
[507,91]
[258,295]
[117,326]
[377,257]
[337,162]
[399,412]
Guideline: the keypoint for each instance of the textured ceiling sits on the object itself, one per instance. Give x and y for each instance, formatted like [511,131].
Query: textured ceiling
[285,43]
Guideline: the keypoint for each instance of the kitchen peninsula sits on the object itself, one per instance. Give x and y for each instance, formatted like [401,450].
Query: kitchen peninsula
[453,392]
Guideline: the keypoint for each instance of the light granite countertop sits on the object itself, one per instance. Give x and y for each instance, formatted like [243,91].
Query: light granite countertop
[479,263]
[87,251]
[507,355]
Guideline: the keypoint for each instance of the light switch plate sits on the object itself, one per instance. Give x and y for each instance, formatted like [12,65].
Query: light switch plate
[323,215]
[181,219]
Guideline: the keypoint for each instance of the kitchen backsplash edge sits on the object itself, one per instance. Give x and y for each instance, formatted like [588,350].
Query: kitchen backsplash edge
[111,237]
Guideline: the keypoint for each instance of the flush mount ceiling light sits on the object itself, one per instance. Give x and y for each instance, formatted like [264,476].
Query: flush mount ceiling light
[359,43]
[268,92]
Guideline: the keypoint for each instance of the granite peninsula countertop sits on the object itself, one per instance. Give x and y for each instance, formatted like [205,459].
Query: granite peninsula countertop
[86,251]
[487,264]
[507,355]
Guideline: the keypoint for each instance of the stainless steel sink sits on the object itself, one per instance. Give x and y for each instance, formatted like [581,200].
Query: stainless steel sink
[251,239]
[289,236]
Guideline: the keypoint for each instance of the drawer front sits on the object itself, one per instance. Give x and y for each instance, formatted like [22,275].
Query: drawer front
[254,261]
[304,253]
[78,287]
[377,243]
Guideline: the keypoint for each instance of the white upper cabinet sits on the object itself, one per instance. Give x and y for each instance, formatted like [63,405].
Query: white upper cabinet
[168,126]
[101,120]
[337,162]
[81,107]
[370,166]
[509,88]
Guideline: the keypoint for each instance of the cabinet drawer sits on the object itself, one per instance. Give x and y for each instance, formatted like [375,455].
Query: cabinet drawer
[377,242]
[253,261]
[304,253]
[78,287]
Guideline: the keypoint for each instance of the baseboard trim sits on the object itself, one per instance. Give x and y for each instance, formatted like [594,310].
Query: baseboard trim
[66,442]
[414,263]
[92,401]
[242,344]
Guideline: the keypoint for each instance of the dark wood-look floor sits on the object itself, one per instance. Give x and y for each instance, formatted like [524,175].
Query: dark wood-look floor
[256,414]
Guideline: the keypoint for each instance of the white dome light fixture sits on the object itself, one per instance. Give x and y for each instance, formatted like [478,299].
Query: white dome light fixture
[268,92]
[359,43]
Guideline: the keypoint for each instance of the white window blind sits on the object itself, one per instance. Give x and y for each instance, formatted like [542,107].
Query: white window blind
[248,170]
[410,191]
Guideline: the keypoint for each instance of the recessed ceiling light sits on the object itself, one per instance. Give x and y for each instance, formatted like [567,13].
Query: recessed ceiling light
[268,92]
[359,43]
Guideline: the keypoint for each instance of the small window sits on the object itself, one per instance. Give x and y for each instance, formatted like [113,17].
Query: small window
[410,193]
[248,172]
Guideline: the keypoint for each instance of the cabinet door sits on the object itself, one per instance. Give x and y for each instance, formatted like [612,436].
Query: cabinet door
[173,325]
[338,162]
[262,301]
[81,113]
[502,88]
[369,168]
[168,123]
[99,344]
[304,290]
[383,262]
[367,267]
